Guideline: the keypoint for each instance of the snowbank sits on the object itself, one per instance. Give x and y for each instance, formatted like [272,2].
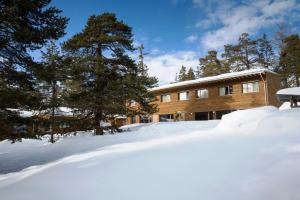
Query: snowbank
[285,121]
[17,156]
[244,120]
[286,106]
[173,161]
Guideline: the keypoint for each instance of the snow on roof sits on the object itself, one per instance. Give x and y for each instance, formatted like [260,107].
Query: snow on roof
[290,91]
[213,78]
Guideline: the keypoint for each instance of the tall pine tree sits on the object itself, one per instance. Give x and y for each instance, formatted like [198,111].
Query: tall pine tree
[139,85]
[108,77]
[26,25]
[210,65]
[52,79]
[190,74]
[266,55]
[182,76]
[290,60]
[243,55]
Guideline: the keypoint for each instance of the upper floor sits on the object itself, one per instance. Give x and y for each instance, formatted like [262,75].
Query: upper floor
[239,90]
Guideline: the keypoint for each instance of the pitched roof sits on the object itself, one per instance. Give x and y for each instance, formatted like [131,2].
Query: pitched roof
[213,78]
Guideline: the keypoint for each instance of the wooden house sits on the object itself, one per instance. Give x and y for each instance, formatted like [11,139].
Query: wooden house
[211,97]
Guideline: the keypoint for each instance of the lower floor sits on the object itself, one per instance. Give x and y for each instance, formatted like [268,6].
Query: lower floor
[178,116]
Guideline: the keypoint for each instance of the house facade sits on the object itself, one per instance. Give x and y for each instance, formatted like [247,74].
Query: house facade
[211,97]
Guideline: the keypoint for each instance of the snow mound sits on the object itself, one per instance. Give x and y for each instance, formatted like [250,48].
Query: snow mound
[286,106]
[244,119]
[184,160]
[29,152]
[285,121]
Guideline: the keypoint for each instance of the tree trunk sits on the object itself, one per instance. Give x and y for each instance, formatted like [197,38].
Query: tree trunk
[53,112]
[99,111]
[285,82]
[97,127]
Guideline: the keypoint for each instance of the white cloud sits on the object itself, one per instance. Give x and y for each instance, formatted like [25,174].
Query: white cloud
[165,66]
[236,19]
[205,23]
[191,38]
[277,7]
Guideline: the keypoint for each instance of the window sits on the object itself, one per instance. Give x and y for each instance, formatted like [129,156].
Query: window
[250,87]
[166,118]
[202,93]
[225,90]
[165,98]
[182,96]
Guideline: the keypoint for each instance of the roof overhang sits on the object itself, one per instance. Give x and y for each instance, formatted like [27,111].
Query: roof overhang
[214,79]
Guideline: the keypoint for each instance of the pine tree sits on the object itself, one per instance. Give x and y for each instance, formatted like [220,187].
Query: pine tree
[282,32]
[243,55]
[190,74]
[108,77]
[290,60]
[139,86]
[266,55]
[198,73]
[52,78]
[210,65]
[182,76]
[176,78]
[25,25]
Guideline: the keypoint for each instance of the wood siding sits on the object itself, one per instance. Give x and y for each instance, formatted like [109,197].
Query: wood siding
[273,83]
[215,102]
[269,84]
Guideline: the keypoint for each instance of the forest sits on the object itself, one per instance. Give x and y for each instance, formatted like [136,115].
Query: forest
[91,73]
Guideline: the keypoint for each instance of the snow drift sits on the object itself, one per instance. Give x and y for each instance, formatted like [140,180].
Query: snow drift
[259,160]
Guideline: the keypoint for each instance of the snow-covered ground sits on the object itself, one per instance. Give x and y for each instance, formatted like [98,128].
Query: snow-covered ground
[17,156]
[249,154]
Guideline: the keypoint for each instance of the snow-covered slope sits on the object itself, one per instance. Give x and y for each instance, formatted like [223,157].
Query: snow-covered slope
[250,154]
[17,156]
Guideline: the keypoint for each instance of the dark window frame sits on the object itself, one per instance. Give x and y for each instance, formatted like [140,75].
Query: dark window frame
[228,90]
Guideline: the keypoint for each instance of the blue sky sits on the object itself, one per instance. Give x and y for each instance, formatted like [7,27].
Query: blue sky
[178,32]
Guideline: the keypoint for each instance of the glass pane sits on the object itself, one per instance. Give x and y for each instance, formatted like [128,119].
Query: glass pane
[183,96]
[250,87]
[204,93]
[222,91]
[166,98]
[245,88]
[255,87]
